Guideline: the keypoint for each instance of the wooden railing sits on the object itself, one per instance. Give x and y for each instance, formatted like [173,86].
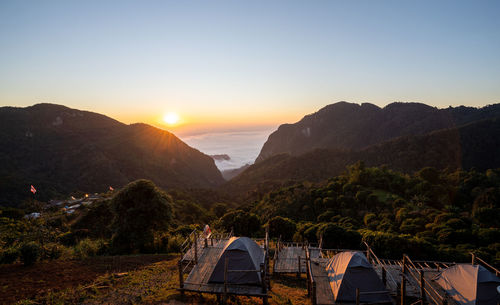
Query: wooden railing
[311,283]
[359,293]
[371,256]
[416,274]
[477,260]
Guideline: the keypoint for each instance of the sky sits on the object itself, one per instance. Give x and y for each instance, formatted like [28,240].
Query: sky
[234,64]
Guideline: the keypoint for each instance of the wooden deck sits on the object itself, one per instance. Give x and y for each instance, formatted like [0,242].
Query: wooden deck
[197,280]
[323,293]
[287,259]
[190,254]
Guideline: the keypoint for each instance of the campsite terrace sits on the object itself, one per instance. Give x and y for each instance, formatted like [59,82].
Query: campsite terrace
[225,265]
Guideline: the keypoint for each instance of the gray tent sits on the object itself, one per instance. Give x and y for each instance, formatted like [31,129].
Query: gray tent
[350,270]
[242,254]
[470,284]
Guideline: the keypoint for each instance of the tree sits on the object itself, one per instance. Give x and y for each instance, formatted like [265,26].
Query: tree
[280,226]
[243,223]
[219,209]
[140,209]
[335,236]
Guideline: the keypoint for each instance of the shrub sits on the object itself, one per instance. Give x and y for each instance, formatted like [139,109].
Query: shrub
[184,230]
[88,248]
[161,242]
[54,251]
[140,208]
[335,236]
[280,226]
[67,239]
[243,223]
[326,216]
[310,234]
[219,209]
[30,252]
[9,255]
[174,243]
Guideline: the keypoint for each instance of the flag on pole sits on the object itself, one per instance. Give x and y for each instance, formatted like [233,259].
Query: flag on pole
[33,189]
[111,188]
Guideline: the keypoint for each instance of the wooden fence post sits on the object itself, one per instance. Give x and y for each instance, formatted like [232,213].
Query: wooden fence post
[308,267]
[422,287]
[196,248]
[298,272]
[403,281]
[224,299]
[314,301]
[181,277]
[445,301]
[473,258]
[264,283]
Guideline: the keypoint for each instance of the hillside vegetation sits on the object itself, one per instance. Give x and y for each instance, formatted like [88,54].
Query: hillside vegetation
[475,145]
[347,126]
[61,150]
[432,214]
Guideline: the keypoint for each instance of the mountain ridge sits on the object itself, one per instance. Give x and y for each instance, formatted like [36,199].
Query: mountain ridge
[62,150]
[346,126]
[473,145]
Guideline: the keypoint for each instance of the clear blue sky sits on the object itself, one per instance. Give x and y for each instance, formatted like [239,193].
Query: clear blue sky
[246,61]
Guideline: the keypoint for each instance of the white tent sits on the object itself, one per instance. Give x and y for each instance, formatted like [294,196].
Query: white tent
[350,270]
[470,284]
[242,254]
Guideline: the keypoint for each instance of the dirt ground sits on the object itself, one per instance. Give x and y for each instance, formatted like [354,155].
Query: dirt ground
[144,279]
[18,282]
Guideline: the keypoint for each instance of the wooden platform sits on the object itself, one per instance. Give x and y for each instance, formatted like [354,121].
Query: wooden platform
[323,294]
[197,280]
[190,254]
[287,259]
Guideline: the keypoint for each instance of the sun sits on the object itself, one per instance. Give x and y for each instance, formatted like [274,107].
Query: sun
[171,118]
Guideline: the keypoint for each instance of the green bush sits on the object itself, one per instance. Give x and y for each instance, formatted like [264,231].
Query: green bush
[280,226]
[67,239]
[88,248]
[54,251]
[9,255]
[30,252]
[174,243]
[335,236]
[140,209]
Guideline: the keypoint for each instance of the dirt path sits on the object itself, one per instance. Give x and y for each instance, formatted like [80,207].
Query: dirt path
[18,282]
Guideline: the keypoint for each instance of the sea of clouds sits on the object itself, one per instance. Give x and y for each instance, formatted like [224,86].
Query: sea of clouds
[241,146]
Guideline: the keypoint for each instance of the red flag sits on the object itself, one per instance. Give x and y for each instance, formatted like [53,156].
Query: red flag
[33,189]
[111,189]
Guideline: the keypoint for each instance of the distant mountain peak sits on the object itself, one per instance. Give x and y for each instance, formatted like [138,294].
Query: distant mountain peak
[348,126]
[62,150]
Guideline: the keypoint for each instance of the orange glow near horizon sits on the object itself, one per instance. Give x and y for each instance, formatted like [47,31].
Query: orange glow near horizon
[184,122]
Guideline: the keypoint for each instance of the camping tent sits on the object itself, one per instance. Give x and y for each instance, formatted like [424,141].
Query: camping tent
[350,270]
[470,284]
[242,253]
